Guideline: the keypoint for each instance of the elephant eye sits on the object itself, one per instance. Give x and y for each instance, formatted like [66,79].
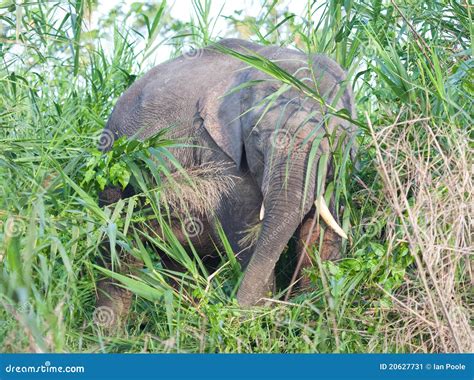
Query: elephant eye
[256,136]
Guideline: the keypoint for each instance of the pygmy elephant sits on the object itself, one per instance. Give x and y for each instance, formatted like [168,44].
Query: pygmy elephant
[267,135]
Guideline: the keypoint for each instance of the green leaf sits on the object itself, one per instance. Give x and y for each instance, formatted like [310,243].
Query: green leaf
[135,285]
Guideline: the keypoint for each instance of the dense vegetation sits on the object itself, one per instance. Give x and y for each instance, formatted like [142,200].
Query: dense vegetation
[404,282]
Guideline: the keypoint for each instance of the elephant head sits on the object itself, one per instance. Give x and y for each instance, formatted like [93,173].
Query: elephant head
[280,135]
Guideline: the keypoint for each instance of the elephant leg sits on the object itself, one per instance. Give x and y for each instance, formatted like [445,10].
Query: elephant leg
[112,300]
[194,234]
[112,304]
[239,216]
[308,235]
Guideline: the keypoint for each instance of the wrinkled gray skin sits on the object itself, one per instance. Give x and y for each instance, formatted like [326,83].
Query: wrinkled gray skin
[192,94]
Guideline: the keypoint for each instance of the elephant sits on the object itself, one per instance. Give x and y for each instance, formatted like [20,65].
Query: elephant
[265,135]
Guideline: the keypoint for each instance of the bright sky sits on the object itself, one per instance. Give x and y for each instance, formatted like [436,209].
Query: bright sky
[183,10]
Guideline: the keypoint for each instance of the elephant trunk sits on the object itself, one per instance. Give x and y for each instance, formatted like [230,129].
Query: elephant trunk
[284,211]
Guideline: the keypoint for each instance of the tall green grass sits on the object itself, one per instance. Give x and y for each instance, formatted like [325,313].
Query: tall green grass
[403,285]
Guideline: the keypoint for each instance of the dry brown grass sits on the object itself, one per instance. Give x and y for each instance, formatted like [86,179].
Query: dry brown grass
[198,190]
[427,172]
[251,235]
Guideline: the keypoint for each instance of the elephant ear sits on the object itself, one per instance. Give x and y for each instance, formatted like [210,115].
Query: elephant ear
[221,115]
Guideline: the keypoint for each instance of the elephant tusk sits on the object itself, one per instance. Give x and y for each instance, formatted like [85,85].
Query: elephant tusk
[325,214]
[262,212]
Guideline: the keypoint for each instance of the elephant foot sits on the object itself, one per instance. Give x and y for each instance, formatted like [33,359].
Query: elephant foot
[113,301]
[112,305]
